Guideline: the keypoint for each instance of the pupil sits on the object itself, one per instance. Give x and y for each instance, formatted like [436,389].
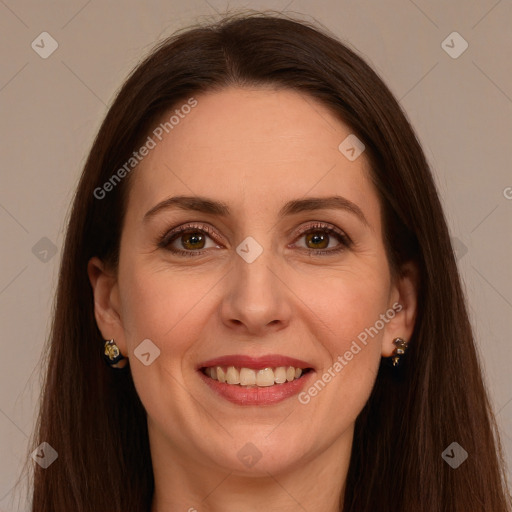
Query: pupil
[317,238]
[192,240]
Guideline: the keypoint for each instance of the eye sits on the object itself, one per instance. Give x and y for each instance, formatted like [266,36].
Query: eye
[319,237]
[189,240]
[196,239]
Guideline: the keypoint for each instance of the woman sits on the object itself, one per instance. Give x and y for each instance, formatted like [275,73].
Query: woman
[258,251]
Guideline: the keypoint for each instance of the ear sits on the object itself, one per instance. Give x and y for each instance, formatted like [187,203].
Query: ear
[106,302]
[403,300]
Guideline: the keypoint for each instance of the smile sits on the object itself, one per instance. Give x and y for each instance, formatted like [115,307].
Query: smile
[249,377]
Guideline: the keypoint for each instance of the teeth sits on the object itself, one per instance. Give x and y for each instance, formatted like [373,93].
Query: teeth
[249,377]
[265,377]
[232,375]
[280,375]
[221,376]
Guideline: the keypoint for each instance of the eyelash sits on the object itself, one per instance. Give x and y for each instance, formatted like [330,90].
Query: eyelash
[169,237]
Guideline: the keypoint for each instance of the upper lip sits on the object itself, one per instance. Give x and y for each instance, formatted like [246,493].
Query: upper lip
[256,363]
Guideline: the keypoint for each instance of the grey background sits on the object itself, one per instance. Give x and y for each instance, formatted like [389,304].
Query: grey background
[52,108]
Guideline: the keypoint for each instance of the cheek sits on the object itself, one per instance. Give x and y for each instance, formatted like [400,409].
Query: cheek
[350,305]
[162,305]
[168,309]
[356,331]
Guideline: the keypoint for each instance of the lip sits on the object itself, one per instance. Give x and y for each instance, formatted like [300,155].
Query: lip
[270,395]
[256,363]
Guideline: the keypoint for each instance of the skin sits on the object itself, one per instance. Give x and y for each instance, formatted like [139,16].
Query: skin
[253,149]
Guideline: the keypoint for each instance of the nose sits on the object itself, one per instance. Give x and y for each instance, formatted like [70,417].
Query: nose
[256,301]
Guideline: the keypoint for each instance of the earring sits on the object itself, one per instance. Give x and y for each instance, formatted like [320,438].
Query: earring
[113,355]
[401,347]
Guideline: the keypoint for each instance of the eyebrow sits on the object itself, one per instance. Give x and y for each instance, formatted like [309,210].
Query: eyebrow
[221,209]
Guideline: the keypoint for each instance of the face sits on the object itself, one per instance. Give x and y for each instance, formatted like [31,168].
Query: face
[261,276]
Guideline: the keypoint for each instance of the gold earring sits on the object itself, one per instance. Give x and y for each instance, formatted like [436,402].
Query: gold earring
[113,355]
[401,347]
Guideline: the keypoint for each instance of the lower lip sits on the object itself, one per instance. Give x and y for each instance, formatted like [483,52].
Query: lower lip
[268,395]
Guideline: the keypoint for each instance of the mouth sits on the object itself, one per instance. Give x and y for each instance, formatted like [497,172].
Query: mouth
[265,380]
[244,377]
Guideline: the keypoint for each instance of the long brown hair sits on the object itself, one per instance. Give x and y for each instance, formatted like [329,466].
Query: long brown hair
[92,416]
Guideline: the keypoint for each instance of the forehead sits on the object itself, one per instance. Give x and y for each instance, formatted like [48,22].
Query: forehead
[252,147]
